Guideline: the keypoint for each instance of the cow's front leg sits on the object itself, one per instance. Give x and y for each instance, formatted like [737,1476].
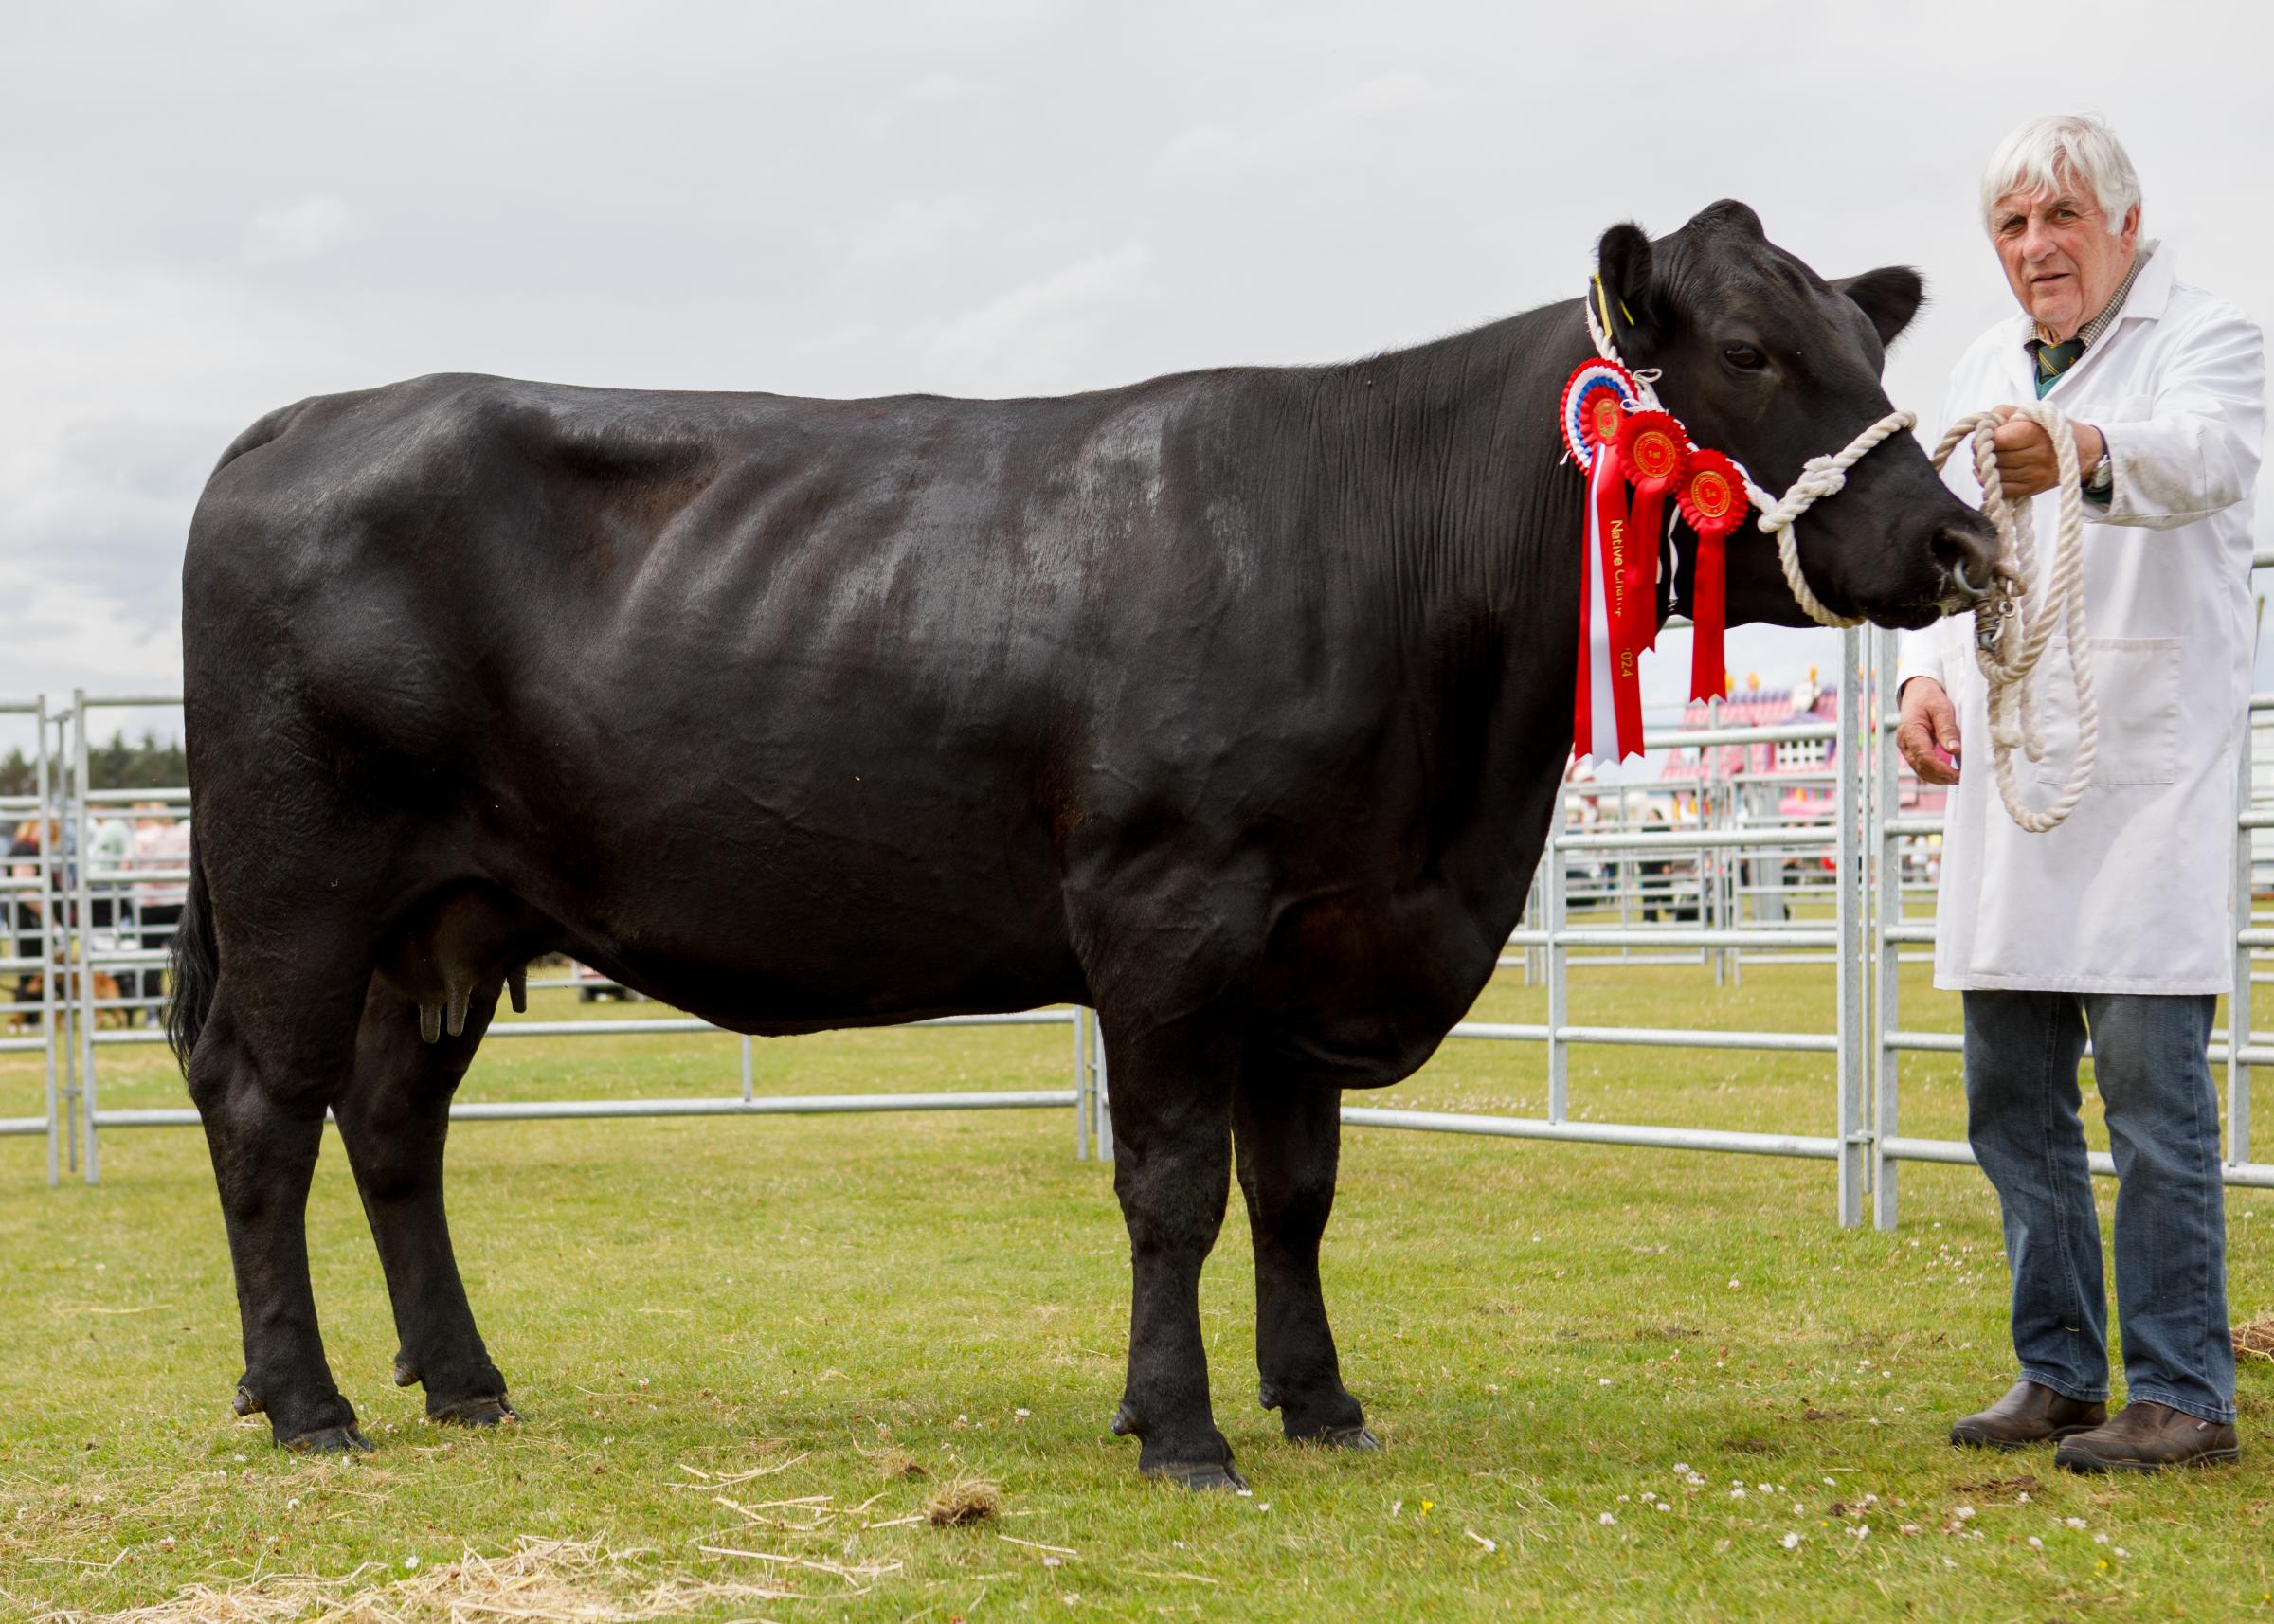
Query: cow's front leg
[1172,1134]
[1290,1138]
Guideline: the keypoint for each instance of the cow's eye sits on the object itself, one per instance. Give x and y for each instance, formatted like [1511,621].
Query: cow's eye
[1743,357]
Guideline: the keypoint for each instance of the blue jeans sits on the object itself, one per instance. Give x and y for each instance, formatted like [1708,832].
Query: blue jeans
[2022,1052]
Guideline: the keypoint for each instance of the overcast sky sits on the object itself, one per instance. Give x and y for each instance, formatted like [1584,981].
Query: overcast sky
[213,209]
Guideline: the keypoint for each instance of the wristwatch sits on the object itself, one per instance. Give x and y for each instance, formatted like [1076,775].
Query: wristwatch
[2099,480]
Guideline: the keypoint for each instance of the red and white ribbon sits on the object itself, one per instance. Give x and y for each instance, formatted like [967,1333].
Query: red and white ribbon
[1607,710]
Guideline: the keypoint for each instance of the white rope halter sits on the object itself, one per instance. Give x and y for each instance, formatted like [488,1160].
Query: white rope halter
[2016,622]
[1820,476]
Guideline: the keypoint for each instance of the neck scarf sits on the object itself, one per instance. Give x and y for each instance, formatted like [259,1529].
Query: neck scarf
[2054,359]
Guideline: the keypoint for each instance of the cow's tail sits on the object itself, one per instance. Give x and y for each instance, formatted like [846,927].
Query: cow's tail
[196,965]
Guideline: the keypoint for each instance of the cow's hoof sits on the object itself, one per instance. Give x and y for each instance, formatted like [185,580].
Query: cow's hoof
[406,1375]
[1353,1437]
[1197,1474]
[490,1411]
[329,1440]
[312,1426]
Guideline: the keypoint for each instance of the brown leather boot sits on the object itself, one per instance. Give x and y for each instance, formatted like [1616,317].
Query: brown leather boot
[2148,1437]
[2029,1413]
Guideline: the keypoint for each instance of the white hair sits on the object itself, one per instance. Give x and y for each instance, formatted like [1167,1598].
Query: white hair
[2035,159]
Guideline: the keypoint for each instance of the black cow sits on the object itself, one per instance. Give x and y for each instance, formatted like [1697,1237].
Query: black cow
[1234,704]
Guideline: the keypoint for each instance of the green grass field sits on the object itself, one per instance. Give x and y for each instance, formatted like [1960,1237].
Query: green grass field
[1612,1384]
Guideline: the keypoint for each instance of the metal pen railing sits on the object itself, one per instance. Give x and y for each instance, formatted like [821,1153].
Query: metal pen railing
[1597,899]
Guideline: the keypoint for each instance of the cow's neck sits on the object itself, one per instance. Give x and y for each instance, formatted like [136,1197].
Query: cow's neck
[1469,528]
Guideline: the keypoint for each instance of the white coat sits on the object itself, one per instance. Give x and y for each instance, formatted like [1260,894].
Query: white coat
[2135,892]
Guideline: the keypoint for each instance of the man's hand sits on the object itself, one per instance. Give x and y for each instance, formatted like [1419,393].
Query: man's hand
[1928,732]
[2026,464]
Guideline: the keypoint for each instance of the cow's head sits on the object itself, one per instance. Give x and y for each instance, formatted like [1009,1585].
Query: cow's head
[1765,360]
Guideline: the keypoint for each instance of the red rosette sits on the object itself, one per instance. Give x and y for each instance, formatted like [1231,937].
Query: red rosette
[1653,450]
[1713,503]
[1712,496]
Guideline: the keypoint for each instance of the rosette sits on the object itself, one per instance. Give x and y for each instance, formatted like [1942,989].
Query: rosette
[1713,503]
[1607,698]
[1654,449]
[1595,403]
[1713,495]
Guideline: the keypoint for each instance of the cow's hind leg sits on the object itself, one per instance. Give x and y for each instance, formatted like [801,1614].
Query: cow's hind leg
[1289,1140]
[260,1086]
[1172,1133]
[393,1117]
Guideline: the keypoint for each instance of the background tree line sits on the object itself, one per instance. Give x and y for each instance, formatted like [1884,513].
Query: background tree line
[116,765]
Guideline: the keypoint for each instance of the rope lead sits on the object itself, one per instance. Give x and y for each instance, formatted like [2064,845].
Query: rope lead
[2013,627]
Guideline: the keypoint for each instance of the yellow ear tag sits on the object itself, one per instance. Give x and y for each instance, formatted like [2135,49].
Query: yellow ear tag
[1602,303]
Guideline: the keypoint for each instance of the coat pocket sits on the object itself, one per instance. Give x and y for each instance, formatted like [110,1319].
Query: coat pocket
[2136,686]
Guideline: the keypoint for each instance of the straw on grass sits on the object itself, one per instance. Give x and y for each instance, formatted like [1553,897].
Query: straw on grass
[2255,1340]
[961,1502]
[545,1582]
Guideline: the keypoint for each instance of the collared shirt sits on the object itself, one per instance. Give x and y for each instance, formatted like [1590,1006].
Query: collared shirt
[2051,359]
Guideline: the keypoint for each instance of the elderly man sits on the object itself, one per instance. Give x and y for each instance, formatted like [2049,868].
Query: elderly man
[2119,922]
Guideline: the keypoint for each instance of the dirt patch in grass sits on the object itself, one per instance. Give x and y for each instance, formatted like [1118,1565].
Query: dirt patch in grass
[1999,1490]
[1752,1446]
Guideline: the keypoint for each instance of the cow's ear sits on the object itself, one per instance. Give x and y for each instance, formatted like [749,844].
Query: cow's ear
[1623,261]
[1890,296]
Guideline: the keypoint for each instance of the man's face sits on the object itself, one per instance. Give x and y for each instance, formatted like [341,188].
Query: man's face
[2061,259]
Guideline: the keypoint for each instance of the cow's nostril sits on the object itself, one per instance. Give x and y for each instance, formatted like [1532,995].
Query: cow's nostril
[1968,557]
[1964,582]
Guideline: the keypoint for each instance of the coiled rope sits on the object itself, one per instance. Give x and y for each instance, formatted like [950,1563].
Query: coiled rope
[2014,624]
